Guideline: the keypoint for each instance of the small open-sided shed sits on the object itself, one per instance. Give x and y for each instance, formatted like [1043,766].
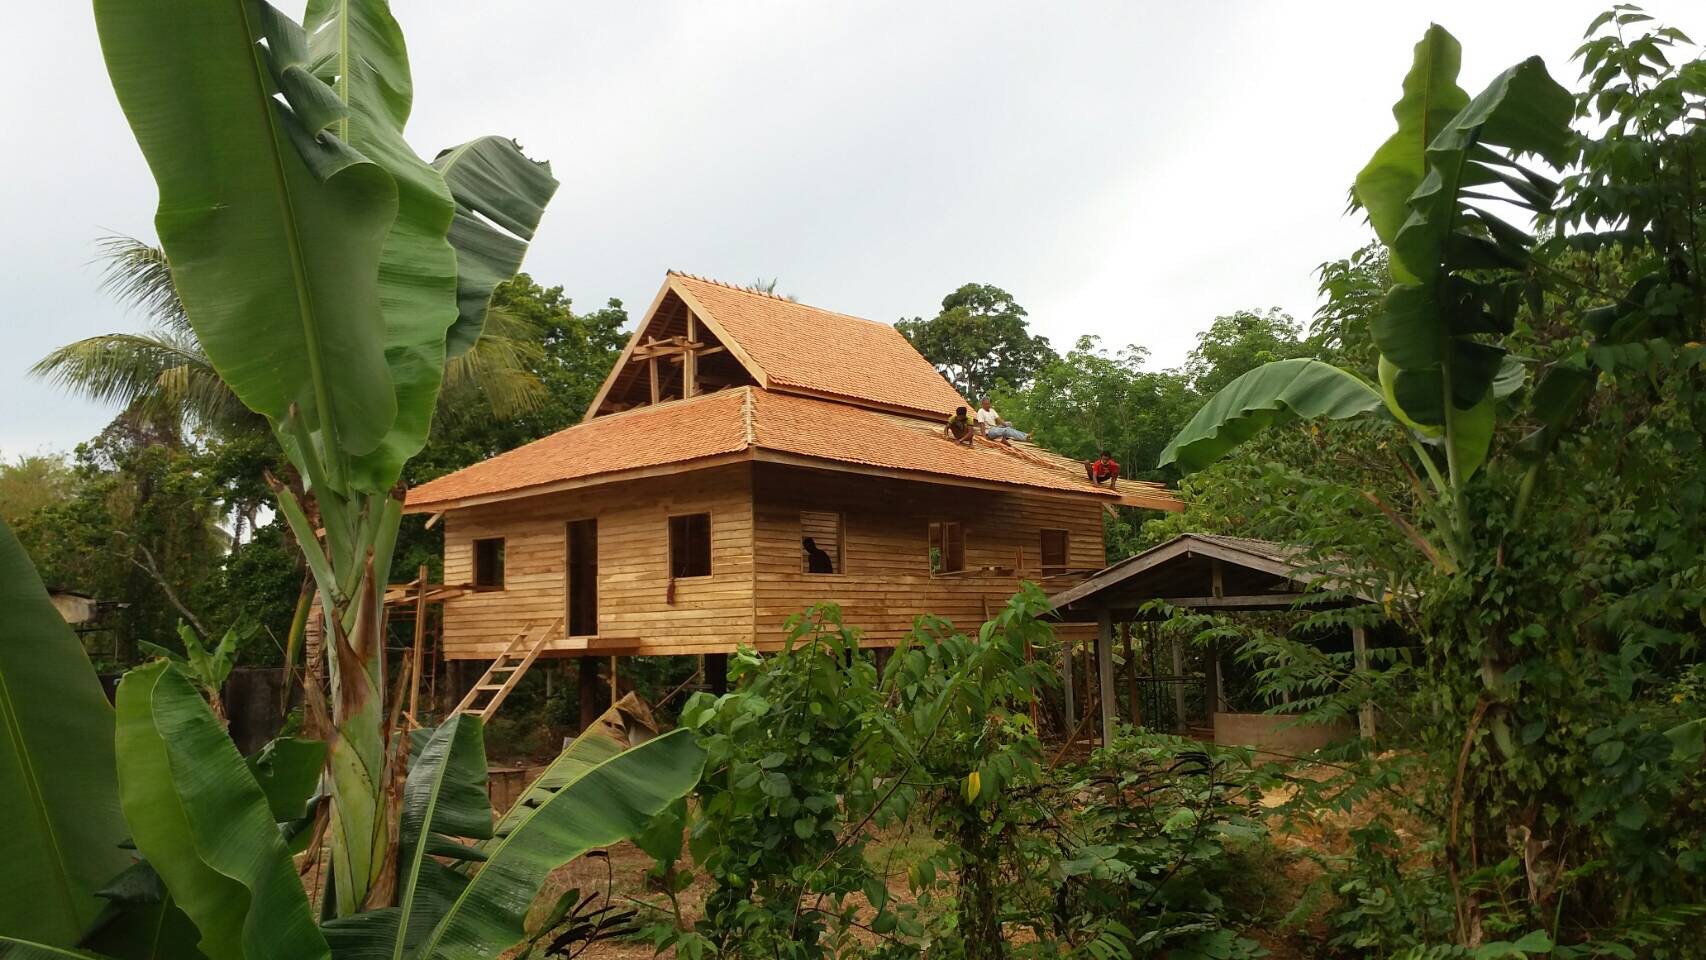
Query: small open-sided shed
[1196,571]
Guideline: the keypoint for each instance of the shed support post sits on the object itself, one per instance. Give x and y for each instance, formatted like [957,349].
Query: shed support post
[1365,713]
[1069,710]
[1131,679]
[615,688]
[1108,694]
[1179,683]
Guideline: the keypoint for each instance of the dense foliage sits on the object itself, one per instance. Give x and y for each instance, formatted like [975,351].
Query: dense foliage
[832,782]
[1542,543]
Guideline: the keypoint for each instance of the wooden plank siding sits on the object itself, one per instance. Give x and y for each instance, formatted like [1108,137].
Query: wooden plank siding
[634,608]
[886,581]
[757,580]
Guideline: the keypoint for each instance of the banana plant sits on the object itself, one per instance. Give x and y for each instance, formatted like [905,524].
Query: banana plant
[1461,274]
[328,271]
[62,839]
[214,833]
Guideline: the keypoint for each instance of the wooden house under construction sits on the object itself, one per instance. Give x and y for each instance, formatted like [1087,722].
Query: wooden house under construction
[736,427]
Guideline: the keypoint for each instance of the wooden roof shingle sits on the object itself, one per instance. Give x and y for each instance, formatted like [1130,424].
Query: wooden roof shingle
[756,424]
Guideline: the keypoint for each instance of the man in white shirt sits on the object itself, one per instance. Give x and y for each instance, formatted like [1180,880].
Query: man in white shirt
[993,426]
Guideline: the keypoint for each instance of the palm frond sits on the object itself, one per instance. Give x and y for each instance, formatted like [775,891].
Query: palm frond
[138,275]
[163,374]
[499,367]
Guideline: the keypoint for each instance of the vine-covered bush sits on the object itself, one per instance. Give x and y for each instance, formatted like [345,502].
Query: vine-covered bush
[816,758]
[1153,829]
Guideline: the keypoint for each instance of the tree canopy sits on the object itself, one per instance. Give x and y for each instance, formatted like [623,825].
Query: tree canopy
[980,340]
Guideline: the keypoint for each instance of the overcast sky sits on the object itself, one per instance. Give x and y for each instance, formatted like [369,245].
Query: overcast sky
[1125,169]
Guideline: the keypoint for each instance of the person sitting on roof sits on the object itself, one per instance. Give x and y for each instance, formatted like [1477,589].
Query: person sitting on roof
[993,426]
[1104,469]
[959,428]
[817,559]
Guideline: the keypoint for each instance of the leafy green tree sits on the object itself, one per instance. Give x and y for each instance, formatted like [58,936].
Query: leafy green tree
[1239,342]
[980,340]
[1092,400]
[140,528]
[1561,743]
[32,482]
[1353,291]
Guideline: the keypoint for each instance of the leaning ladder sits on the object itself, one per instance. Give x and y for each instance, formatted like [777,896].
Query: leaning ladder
[500,678]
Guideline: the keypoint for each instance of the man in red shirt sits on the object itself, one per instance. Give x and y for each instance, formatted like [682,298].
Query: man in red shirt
[1104,469]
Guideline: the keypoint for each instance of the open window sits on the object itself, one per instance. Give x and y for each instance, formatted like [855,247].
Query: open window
[690,545]
[489,563]
[947,547]
[1054,551]
[820,542]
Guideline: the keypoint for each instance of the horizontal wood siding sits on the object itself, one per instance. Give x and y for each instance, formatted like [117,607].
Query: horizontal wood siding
[887,581]
[756,582]
[634,610]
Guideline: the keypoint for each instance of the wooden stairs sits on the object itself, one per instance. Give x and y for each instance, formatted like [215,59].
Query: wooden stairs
[500,678]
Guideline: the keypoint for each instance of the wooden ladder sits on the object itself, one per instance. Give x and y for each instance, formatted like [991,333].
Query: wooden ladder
[511,664]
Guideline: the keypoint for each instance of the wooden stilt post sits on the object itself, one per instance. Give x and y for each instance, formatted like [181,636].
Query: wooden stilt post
[717,673]
[588,683]
[420,641]
[1179,682]
[1365,713]
[1105,674]
[615,690]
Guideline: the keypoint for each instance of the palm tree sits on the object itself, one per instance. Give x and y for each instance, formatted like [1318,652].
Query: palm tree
[161,375]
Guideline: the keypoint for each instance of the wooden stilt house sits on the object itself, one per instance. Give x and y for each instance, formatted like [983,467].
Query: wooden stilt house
[736,426]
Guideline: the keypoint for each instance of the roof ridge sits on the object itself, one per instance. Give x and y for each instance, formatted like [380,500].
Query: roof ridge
[772,296]
[734,286]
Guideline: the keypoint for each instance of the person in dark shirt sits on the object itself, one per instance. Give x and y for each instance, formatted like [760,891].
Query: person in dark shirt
[817,560]
[1104,469]
[959,428]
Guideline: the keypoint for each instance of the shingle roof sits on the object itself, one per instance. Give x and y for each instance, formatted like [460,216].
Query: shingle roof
[757,420]
[707,425]
[808,348]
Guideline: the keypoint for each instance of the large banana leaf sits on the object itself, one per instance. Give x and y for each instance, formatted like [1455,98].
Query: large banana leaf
[445,801]
[625,724]
[1297,389]
[57,786]
[615,800]
[1430,100]
[274,225]
[500,196]
[1460,266]
[204,823]
[358,51]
